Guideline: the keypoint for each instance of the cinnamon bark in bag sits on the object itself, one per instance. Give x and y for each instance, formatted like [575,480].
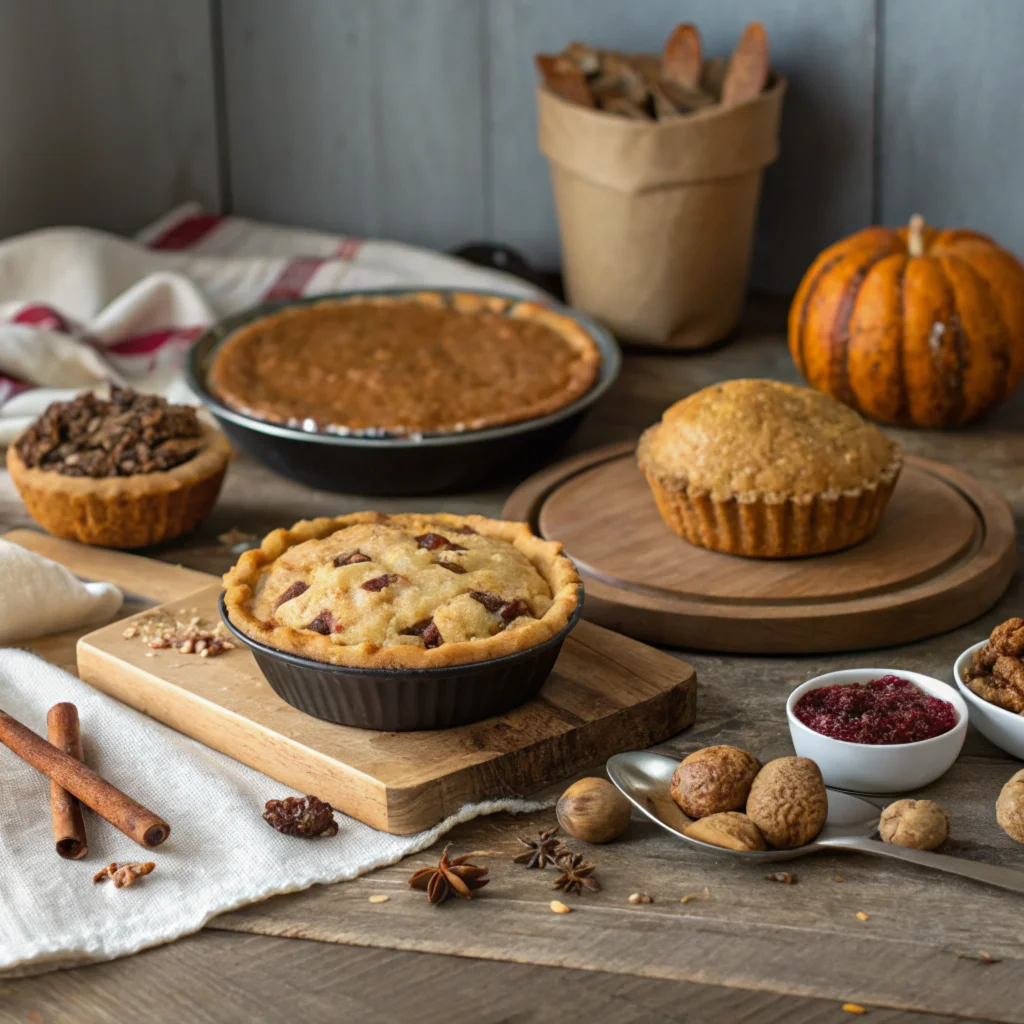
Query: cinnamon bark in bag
[657,217]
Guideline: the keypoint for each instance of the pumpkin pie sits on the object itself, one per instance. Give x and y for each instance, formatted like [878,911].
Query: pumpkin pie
[408,364]
[405,591]
[768,470]
[126,471]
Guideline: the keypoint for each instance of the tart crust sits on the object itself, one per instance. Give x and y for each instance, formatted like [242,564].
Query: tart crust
[246,599]
[768,470]
[125,511]
[423,362]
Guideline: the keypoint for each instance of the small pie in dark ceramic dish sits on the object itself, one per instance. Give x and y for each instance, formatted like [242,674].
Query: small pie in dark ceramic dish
[125,471]
[406,621]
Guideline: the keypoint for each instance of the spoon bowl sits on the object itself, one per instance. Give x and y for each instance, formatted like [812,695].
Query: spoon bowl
[644,777]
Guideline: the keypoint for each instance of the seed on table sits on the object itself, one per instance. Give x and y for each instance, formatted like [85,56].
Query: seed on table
[854,1008]
[557,907]
[861,916]
[641,897]
[380,898]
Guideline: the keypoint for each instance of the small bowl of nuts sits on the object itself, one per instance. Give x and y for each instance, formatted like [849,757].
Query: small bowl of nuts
[991,681]
[876,730]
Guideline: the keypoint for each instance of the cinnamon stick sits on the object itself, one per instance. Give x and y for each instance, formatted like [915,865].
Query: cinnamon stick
[68,823]
[106,800]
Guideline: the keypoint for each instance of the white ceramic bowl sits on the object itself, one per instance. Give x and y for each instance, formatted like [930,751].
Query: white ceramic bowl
[1002,727]
[879,768]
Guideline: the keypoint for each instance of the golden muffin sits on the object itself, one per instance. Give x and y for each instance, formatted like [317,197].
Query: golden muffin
[768,470]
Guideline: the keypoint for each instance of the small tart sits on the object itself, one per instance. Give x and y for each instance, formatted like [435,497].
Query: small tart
[126,472]
[768,470]
[418,363]
[403,591]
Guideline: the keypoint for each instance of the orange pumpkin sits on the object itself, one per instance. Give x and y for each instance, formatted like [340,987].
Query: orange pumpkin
[913,325]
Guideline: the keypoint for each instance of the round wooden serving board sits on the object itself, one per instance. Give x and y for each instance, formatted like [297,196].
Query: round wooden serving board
[942,555]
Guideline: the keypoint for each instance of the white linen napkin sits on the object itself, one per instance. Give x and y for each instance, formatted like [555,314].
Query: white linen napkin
[39,597]
[78,306]
[220,854]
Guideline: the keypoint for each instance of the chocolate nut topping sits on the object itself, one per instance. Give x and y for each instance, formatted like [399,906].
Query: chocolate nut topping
[126,434]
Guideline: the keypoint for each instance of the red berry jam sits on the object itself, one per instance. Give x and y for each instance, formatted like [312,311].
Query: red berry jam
[886,710]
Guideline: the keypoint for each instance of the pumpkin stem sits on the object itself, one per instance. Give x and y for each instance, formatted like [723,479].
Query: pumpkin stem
[915,235]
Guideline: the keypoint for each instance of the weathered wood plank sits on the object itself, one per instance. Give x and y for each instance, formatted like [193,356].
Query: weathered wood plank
[213,977]
[950,142]
[106,111]
[819,189]
[742,930]
[360,118]
[298,93]
[428,120]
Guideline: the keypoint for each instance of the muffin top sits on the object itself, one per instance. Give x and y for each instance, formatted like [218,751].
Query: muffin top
[760,439]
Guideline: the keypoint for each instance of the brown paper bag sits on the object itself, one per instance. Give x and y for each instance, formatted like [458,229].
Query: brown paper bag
[657,218]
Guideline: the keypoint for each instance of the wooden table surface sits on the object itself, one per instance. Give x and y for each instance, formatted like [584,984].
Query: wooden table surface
[745,949]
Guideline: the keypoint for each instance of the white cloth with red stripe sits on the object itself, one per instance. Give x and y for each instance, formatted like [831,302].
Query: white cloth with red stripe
[79,306]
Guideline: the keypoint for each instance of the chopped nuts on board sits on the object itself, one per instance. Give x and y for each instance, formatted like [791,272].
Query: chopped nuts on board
[194,635]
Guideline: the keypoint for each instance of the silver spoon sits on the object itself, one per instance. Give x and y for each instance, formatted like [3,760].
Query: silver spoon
[644,779]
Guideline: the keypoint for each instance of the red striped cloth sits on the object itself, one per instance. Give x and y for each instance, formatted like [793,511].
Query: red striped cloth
[78,307]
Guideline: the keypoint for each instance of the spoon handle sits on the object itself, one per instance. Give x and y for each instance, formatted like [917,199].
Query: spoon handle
[991,874]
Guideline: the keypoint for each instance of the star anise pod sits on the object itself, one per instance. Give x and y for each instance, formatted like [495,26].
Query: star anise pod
[542,851]
[576,874]
[449,877]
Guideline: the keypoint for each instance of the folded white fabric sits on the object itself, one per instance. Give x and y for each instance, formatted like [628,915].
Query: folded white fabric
[79,306]
[39,597]
[220,854]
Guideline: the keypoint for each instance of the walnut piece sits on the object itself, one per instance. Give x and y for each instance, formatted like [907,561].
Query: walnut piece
[301,816]
[915,824]
[125,875]
[713,780]
[728,829]
[788,802]
[996,674]
[1010,807]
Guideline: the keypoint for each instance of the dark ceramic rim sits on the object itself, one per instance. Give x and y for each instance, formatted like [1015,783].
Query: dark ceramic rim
[209,341]
[396,673]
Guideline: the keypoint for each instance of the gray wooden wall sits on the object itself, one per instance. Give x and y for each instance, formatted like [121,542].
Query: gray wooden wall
[415,119]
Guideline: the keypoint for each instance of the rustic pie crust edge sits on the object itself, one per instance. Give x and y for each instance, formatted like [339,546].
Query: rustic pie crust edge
[247,581]
[274,369]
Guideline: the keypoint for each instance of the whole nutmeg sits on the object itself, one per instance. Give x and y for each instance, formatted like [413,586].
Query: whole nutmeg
[1010,807]
[915,824]
[593,810]
[728,829]
[788,802]
[713,780]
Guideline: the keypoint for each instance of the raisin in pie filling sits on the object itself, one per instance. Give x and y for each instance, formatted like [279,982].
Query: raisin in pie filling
[402,591]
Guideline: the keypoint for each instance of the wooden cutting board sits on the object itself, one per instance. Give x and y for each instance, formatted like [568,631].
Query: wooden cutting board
[607,693]
[942,555]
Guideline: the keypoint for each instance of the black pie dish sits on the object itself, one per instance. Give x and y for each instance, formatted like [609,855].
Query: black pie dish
[402,700]
[394,466]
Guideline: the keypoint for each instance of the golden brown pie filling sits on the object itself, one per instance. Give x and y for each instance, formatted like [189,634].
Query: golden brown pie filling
[402,591]
[409,364]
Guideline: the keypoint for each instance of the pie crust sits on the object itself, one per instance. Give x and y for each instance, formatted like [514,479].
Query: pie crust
[768,470]
[428,362]
[125,511]
[369,590]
